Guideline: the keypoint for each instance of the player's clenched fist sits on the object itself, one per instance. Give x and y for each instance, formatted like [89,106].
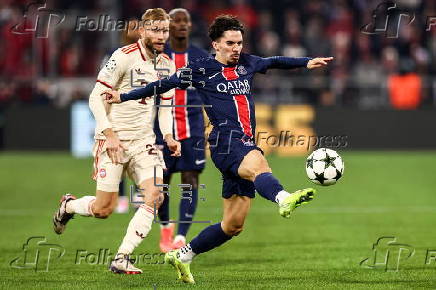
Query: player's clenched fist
[114,148]
[112,96]
[173,145]
[318,62]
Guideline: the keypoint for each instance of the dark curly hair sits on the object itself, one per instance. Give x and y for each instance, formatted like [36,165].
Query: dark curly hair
[224,23]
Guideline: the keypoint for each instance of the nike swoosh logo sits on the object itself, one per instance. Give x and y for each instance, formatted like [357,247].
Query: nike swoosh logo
[214,75]
[198,162]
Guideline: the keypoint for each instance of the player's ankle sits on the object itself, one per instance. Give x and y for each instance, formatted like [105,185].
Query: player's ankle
[186,254]
[178,238]
[281,196]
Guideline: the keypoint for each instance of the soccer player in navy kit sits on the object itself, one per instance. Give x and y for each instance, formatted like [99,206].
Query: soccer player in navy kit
[188,129]
[224,81]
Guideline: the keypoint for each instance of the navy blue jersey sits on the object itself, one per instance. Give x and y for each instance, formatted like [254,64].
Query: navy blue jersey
[227,88]
[188,121]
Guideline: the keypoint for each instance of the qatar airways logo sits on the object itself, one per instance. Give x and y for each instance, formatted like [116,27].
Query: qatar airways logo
[235,87]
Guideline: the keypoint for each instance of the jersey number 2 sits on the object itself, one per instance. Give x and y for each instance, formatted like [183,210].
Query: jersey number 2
[151,150]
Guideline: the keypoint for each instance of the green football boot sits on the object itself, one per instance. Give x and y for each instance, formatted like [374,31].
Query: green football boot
[183,271]
[296,199]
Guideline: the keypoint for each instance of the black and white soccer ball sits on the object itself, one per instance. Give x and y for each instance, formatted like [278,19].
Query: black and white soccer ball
[324,166]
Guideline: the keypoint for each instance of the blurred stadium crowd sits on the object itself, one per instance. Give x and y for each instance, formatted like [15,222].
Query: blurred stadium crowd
[369,71]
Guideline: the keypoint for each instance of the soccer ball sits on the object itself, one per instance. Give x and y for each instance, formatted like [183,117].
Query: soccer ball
[324,166]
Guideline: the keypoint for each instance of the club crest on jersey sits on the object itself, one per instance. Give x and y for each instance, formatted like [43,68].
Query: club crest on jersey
[241,70]
[102,173]
[111,65]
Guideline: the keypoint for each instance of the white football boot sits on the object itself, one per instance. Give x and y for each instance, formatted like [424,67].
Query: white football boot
[122,264]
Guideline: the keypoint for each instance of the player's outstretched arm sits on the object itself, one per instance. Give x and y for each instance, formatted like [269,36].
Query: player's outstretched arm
[154,88]
[318,62]
[283,62]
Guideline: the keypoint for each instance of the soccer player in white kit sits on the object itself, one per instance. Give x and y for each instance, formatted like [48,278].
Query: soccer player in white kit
[125,138]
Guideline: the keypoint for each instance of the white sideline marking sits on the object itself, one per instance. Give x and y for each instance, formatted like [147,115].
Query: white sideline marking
[357,210]
[19,212]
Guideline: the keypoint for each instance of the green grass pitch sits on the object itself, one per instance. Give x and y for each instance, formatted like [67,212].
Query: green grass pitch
[321,246]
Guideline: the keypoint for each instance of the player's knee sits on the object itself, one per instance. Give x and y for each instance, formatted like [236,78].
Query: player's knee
[102,212]
[190,177]
[236,230]
[233,229]
[251,173]
[155,198]
[260,170]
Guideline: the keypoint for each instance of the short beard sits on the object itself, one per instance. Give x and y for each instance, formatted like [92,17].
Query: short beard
[231,61]
[149,45]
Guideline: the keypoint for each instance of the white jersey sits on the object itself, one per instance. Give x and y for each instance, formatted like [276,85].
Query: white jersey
[128,68]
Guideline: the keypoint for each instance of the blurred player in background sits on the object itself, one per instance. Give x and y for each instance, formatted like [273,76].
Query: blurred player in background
[125,138]
[224,82]
[188,129]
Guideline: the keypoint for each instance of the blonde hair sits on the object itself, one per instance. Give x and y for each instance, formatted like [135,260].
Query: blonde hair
[154,14]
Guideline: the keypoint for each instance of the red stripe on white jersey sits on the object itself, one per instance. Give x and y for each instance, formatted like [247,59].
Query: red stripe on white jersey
[165,55]
[181,124]
[243,110]
[229,73]
[130,50]
[105,84]
[140,50]
[96,157]
[127,47]
[147,208]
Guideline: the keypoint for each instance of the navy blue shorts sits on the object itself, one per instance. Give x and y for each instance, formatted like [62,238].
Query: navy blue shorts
[192,158]
[227,157]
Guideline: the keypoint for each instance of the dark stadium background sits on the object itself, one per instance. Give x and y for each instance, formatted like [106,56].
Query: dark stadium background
[379,95]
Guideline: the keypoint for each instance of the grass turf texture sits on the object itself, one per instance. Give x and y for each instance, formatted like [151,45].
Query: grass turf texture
[381,194]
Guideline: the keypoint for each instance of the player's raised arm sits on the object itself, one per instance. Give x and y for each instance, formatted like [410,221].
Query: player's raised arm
[283,62]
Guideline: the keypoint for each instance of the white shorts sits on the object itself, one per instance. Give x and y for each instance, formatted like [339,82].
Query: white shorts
[140,160]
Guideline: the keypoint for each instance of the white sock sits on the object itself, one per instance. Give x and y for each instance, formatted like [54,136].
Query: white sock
[81,206]
[186,254]
[281,196]
[180,238]
[138,229]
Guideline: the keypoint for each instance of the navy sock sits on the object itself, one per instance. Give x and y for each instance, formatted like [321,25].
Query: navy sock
[186,211]
[267,186]
[164,210]
[211,237]
[121,191]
